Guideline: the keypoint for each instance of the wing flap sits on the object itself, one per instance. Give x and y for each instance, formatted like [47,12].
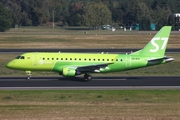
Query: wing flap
[92,68]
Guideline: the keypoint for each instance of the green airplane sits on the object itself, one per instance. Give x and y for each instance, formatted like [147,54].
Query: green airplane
[73,64]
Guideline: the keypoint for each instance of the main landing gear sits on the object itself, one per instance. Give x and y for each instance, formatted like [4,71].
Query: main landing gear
[28,75]
[87,77]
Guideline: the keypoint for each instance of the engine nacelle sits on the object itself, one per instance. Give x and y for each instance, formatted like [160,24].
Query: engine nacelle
[69,72]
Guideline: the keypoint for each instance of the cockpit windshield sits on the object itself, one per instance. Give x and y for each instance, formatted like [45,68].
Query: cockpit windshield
[20,57]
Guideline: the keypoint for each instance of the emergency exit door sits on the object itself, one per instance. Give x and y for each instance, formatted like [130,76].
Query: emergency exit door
[35,59]
[128,61]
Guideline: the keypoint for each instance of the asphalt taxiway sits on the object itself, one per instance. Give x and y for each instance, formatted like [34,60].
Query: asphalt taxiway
[108,82]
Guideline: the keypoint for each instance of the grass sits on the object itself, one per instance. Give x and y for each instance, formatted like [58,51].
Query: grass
[95,105]
[46,37]
[126,96]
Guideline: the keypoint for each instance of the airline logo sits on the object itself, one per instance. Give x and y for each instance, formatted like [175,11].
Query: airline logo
[158,46]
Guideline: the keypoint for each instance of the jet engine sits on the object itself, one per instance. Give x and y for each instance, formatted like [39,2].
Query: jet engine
[70,72]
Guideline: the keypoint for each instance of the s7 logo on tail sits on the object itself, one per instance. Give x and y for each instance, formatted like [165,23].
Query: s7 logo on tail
[157,46]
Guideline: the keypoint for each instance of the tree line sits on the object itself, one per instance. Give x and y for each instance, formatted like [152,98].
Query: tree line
[91,13]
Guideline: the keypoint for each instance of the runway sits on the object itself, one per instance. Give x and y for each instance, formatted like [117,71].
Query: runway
[117,82]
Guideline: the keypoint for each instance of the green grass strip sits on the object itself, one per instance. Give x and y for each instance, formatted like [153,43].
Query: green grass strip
[130,96]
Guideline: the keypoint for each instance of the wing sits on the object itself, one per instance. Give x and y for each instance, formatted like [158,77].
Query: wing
[92,68]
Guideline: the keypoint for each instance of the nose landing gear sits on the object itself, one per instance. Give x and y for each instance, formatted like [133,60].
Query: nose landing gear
[28,75]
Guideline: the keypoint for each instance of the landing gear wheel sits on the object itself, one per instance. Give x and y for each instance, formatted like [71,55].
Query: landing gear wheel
[87,77]
[28,75]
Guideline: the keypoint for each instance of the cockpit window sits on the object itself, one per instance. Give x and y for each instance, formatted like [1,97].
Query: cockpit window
[20,57]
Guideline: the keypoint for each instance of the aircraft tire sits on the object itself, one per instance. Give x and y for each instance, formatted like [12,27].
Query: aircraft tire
[28,77]
[87,77]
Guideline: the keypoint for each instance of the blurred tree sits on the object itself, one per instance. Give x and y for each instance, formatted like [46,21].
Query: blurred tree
[15,9]
[5,19]
[161,16]
[61,11]
[38,11]
[129,10]
[76,14]
[93,12]
[96,14]
[143,16]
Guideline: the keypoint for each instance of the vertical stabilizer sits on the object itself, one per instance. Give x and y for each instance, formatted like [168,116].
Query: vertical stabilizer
[157,45]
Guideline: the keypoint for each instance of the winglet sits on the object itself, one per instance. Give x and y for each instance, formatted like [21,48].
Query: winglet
[157,45]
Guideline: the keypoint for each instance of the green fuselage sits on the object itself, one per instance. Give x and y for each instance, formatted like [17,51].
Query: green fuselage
[57,61]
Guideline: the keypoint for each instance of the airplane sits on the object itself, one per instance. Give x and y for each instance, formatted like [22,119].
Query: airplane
[73,64]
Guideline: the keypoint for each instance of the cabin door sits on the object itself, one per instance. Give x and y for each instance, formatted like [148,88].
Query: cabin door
[35,59]
[128,61]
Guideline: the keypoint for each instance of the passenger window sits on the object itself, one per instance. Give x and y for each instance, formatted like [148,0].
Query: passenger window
[74,58]
[94,59]
[47,58]
[66,59]
[89,59]
[116,59]
[107,59]
[61,58]
[70,58]
[80,59]
[52,58]
[43,58]
[56,58]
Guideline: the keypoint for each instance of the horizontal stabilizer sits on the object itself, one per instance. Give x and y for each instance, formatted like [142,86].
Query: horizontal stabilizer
[160,60]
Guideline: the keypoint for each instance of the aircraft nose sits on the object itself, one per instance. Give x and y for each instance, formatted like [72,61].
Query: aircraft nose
[9,65]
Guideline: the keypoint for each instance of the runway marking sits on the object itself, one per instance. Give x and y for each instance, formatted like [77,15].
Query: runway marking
[109,79]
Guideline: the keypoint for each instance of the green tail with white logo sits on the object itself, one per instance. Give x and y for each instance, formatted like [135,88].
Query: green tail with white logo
[157,46]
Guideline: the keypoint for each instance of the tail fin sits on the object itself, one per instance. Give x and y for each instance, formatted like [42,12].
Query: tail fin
[157,45]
